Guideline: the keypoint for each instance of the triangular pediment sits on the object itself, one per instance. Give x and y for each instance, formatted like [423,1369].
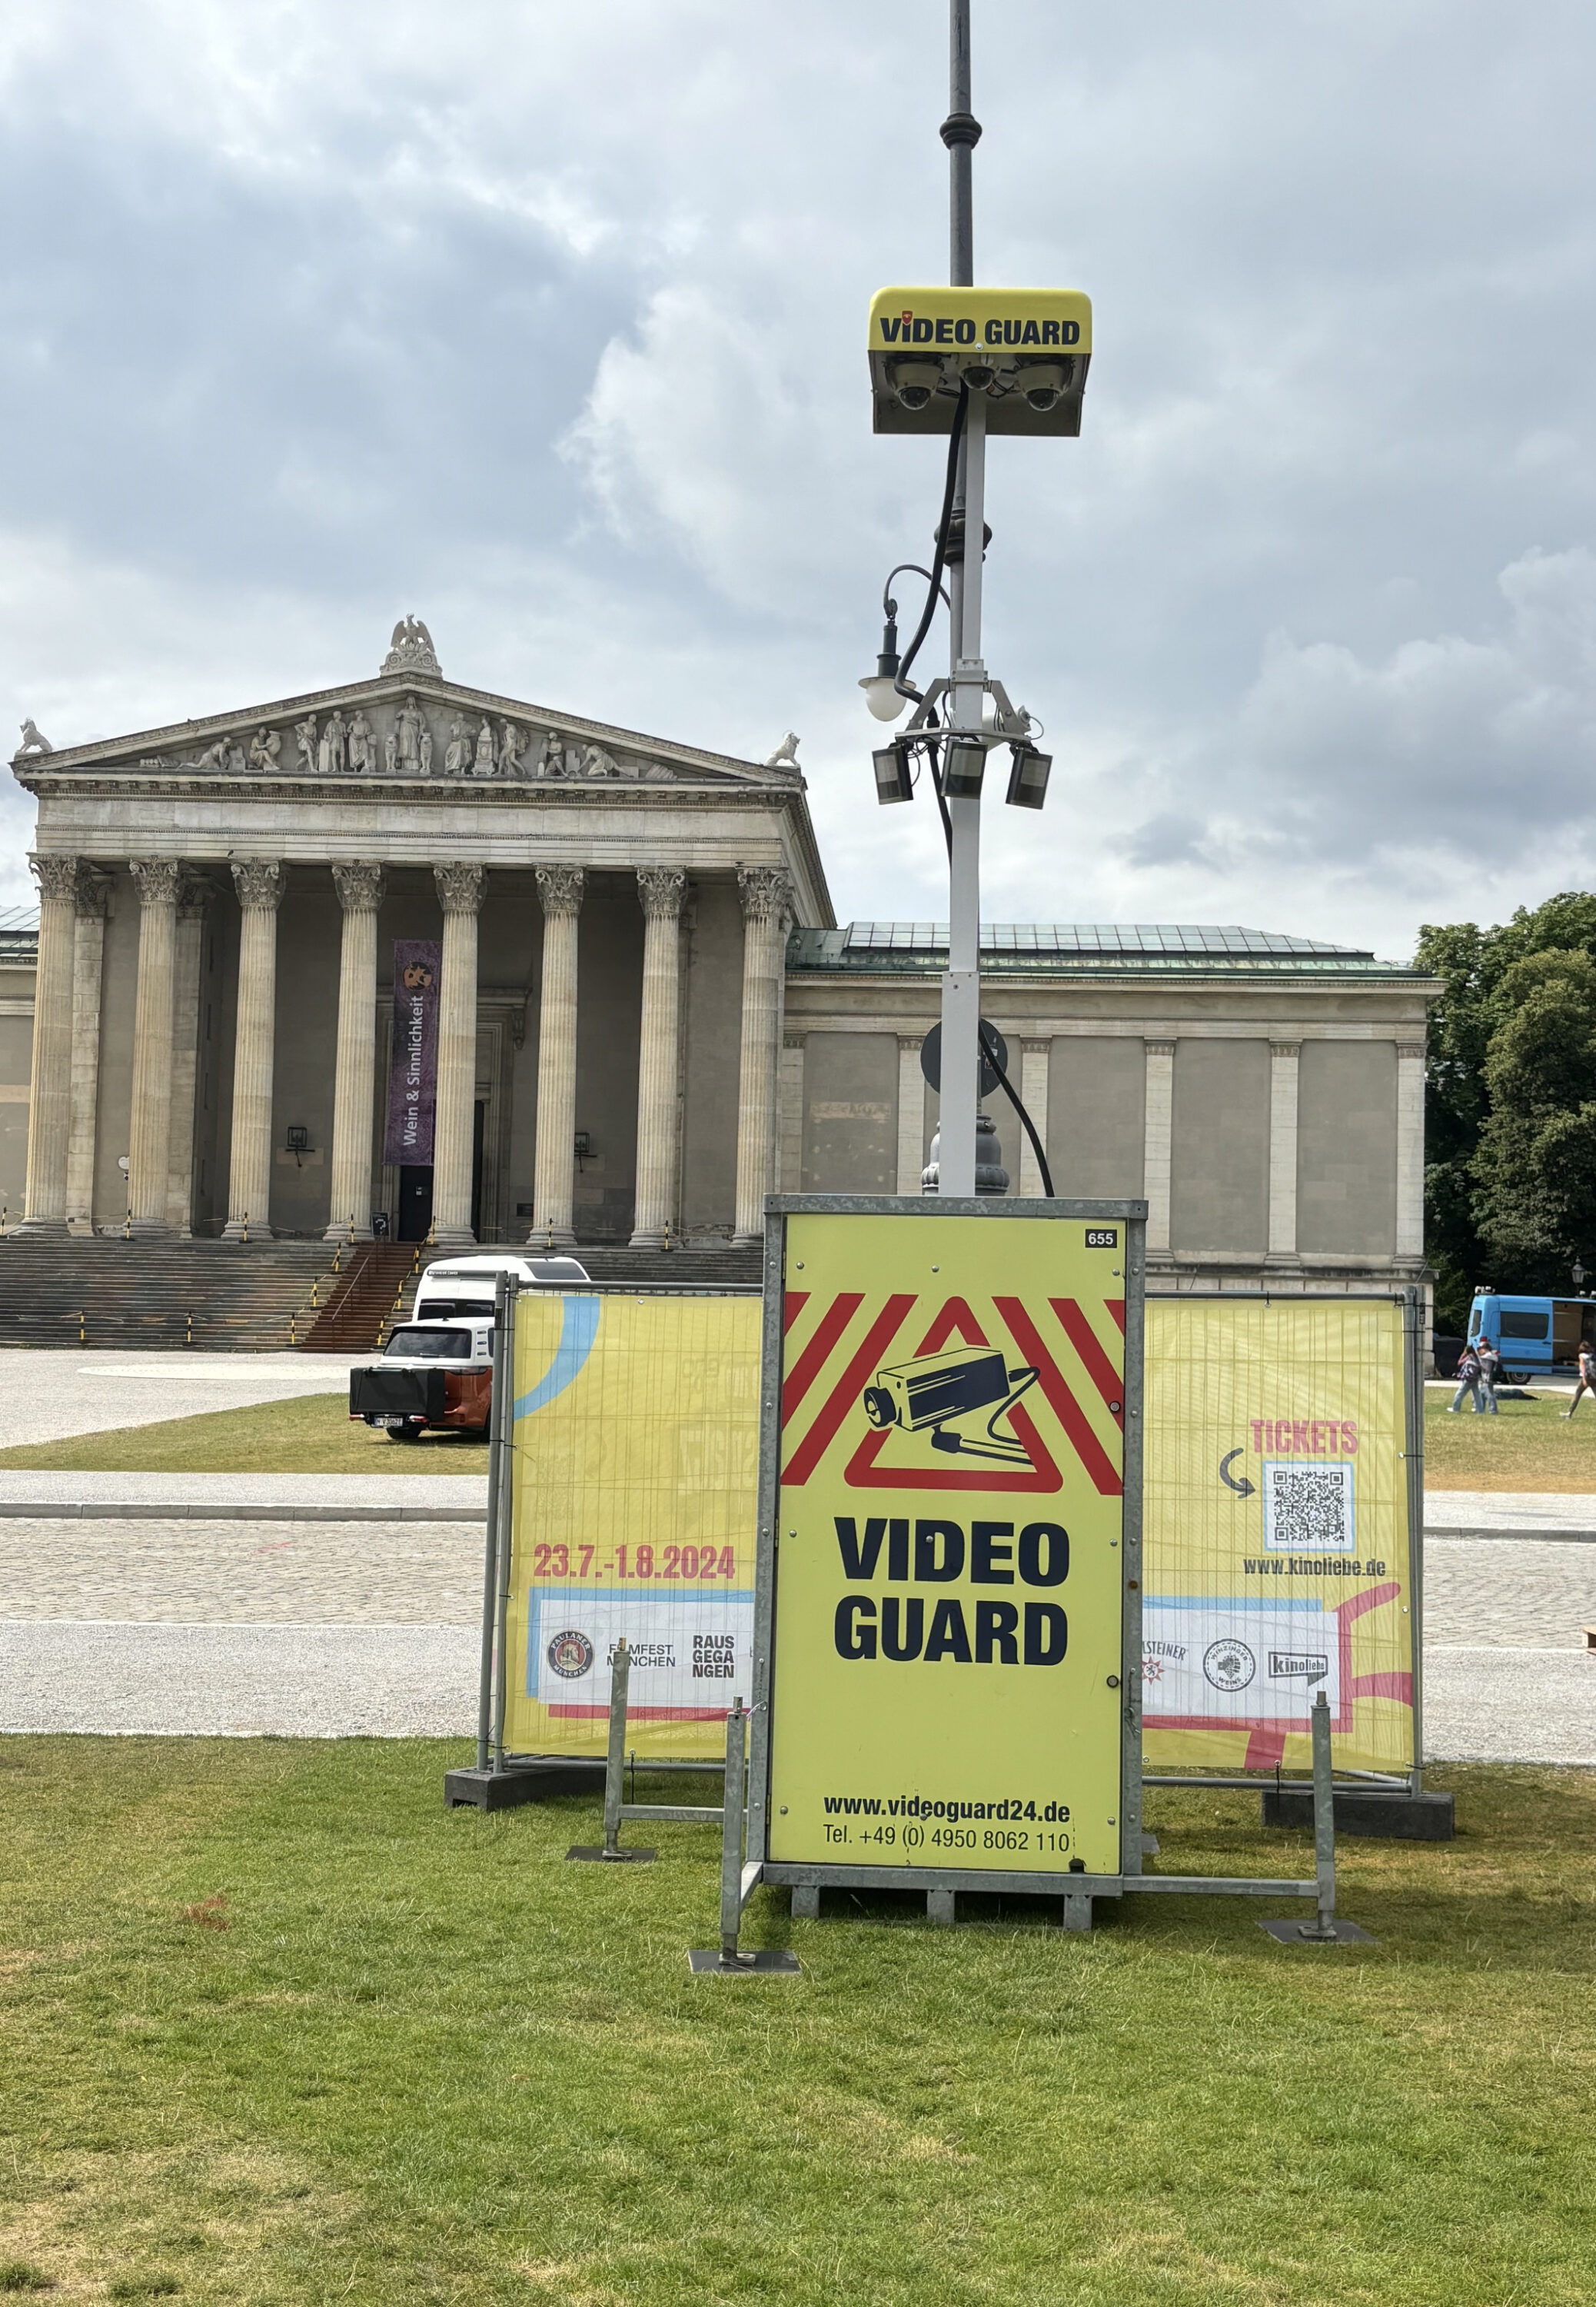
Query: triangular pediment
[409,726]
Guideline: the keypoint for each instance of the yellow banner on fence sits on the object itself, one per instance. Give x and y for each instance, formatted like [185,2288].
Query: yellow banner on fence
[636,1462]
[1275,1519]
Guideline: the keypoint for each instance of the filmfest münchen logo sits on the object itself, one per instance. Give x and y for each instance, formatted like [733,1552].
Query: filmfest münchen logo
[570,1655]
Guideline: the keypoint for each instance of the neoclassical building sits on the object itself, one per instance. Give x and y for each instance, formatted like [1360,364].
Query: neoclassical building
[644,1018]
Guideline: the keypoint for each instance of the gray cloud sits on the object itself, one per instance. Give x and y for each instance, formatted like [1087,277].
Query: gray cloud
[548,323]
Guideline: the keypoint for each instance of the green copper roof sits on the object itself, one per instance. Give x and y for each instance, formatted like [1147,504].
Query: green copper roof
[1071,948]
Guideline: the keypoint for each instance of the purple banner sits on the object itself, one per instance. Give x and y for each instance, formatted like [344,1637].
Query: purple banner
[412,1076]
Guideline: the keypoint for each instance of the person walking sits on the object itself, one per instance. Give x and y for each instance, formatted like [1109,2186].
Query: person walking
[1490,1370]
[1468,1380]
[1587,1374]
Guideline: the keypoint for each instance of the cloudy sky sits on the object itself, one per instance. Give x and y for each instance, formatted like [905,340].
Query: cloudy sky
[548,323]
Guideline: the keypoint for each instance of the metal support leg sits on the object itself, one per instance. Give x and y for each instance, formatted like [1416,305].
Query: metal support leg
[942,1908]
[737,1881]
[1323,1930]
[615,1765]
[1077,1910]
[1323,1926]
[805,1903]
[731,1833]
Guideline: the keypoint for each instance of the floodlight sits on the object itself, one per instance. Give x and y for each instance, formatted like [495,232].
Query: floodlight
[965,765]
[894,781]
[1028,779]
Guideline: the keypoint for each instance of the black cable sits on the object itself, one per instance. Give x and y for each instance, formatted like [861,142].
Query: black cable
[989,1051]
[933,758]
[939,558]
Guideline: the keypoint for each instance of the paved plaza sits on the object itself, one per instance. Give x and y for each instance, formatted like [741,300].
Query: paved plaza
[249,1626]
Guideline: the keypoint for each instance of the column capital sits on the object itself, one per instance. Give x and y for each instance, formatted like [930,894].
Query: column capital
[1411,1050]
[1291,1050]
[157,878]
[194,894]
[767,892]
[461,886]
[660,890]
[93,896]
[561,889]
[794,1041]
[260,882]
[360,887]
[910,1044]
[1158,1049]
[57,878]
[1037,1045]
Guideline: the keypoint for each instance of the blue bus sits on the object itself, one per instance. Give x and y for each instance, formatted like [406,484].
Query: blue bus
[1531,1333]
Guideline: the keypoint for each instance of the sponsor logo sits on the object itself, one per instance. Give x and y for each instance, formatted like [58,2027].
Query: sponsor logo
[570,1655]
[1298,1666]
[1229,1664]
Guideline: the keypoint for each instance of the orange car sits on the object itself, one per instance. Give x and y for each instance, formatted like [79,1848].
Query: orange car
[431,1373]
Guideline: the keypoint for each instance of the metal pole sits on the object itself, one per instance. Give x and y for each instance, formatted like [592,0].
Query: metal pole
[1412,1321]
[1324,1824]
[485,1703]
[961,986]
[615,1761]
[505,1521]
[731,1834]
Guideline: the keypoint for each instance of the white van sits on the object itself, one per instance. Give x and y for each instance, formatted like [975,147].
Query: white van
[459,1289]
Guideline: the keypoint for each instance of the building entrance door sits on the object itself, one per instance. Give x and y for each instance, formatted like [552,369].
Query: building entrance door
[415,1203]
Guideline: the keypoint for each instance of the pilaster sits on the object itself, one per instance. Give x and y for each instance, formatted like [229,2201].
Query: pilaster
[1033,1094]
[1409,1152]
[88,951]
[911,1114]
[1159,1113]
[1284,1071]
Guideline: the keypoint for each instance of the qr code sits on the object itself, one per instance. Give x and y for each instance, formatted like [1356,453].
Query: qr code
[1307,1508]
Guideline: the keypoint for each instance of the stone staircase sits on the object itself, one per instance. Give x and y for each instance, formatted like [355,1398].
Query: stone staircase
[256,1296]
[269,1296]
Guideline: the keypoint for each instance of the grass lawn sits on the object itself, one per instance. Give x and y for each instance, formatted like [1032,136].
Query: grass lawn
[311,1435]
[1525,1446]
[277,2028]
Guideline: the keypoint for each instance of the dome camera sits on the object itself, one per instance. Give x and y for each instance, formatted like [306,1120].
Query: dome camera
[1045,382]
[913,382]
[980,375]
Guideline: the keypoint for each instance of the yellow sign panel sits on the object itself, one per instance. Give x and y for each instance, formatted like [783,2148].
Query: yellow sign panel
[949,1565]
[635,1461]
[1025,350]
[1275,1528]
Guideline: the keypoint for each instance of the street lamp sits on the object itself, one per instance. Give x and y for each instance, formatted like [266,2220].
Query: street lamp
[1579,1275]
[965,361]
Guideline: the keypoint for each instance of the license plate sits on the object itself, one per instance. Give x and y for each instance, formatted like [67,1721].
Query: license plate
[390,1421]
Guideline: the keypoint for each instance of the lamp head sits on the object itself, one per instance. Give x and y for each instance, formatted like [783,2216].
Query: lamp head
[963,767]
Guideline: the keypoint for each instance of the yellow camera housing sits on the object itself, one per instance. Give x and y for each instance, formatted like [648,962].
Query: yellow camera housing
[1025,350]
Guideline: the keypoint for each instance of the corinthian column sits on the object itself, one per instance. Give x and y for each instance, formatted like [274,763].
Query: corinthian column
[88,973]
[150,1136]
[660,888]
[766,895]
[559,892]
[49,1111]
[461,890]
[360,894]
[260,883]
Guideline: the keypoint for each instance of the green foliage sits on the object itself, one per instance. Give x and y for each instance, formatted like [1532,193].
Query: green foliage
[21,2275]
[1510,1188]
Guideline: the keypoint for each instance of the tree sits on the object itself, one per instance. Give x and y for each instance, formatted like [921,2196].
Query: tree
[1509,1192]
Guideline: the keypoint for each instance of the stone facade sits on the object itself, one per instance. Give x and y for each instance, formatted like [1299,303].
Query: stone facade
[647,1020]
